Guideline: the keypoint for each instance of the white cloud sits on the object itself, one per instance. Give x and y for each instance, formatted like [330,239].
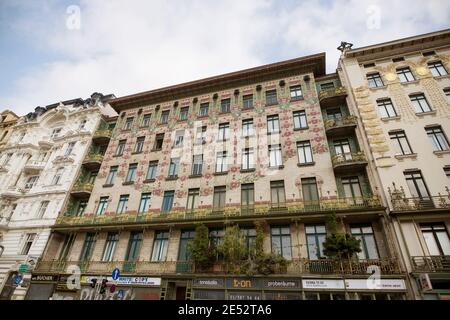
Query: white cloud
[125,47]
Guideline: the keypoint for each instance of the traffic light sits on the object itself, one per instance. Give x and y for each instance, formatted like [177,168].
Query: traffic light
[93,282]
[103,286]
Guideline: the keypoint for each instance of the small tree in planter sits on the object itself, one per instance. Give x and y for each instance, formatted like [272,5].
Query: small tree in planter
[339,245]
[233,249]
[201,251]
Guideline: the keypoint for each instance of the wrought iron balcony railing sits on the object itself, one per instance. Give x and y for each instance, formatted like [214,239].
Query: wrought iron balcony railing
[350,159]
[92,159]
[401,203]
[332,93]
[345,121]
[387,266]
[258,210]
[82,187]
[430,263]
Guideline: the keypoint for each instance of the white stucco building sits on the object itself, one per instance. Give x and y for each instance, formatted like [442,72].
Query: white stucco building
[39,165]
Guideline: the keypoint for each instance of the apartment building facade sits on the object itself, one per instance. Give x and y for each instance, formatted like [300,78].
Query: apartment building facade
[400,91]
[275,144]
[40,162]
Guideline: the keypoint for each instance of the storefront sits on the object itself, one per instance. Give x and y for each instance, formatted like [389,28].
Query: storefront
[433,286]
[42,286]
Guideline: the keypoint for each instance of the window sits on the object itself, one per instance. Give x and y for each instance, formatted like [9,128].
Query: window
[420,103]
[183,252]
[428,53]
[28,243]
[203,111]
[275,156]
[102,204]
[197,165]
[327,85]
[146,120]
[309,191]
[67,247]
[436,238]
[300,121]
[225,105]
[216,236]
[400,142]
[120,147]
[160,246]
[92,176]
[184,112]
[151,172]
[88,246]
[249,237]
[447,173]
[173,167]
[334,114]
[192,201]
[277,194]
[7,159]
[144,204]
[273,125]
[128,123]
[304,152]
[374,80]
[315,237]
[21,136]
[368,245]
[437,69]
[159,139]
[112,175]
[131,174]
[164,119]
[200,137]
[81,208]
[296,92]
[123,201]
[247,101]
[447,94]
[134,246]
[271,97]
[281,241]
[55,133]
[57,178]
[386,108]
[342,147]
[167,201]
[219,198]
[31,182]
[221,162]
[248,161]
[247,196]
[224,131]
[42,209]
[247,127]
[405,74]
[179,137]
[69,148]
[437,138]
[352,188]
[110,246]
[416,185]
[139,145]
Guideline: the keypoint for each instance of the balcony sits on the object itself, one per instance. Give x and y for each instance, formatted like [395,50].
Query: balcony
[342,126]
[401,203]
[328,97]
[93,160]
[430,263]
[12,193]
[349,161]
[290,209]
[34,166]
[4,221]
[295,267]
[102,136]
[46,142]
[82,189]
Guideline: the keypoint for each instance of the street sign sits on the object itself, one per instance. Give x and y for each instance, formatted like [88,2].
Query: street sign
[115,274]
[17,279]
[120,294]
[23,268]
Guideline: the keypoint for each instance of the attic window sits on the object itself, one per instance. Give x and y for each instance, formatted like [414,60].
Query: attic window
[398,59]
[369,65]
[428,53]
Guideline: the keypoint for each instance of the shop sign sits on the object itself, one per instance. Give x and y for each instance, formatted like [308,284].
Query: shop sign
[244,296]
[378,284]
[242,283]
[44,278]
[323,284]
[143,281]
[281,284]
[425,282]
[208,282]
[209,294]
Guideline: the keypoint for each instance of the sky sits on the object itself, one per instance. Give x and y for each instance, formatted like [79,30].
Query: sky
[52,51]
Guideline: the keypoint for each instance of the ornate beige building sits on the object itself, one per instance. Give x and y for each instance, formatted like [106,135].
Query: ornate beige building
[400,91]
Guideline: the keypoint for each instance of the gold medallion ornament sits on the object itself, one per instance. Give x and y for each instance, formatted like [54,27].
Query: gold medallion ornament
[390,76]
[421,71]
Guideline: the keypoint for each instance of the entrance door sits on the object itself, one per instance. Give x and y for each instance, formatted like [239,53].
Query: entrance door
[8,288]
[180,293]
